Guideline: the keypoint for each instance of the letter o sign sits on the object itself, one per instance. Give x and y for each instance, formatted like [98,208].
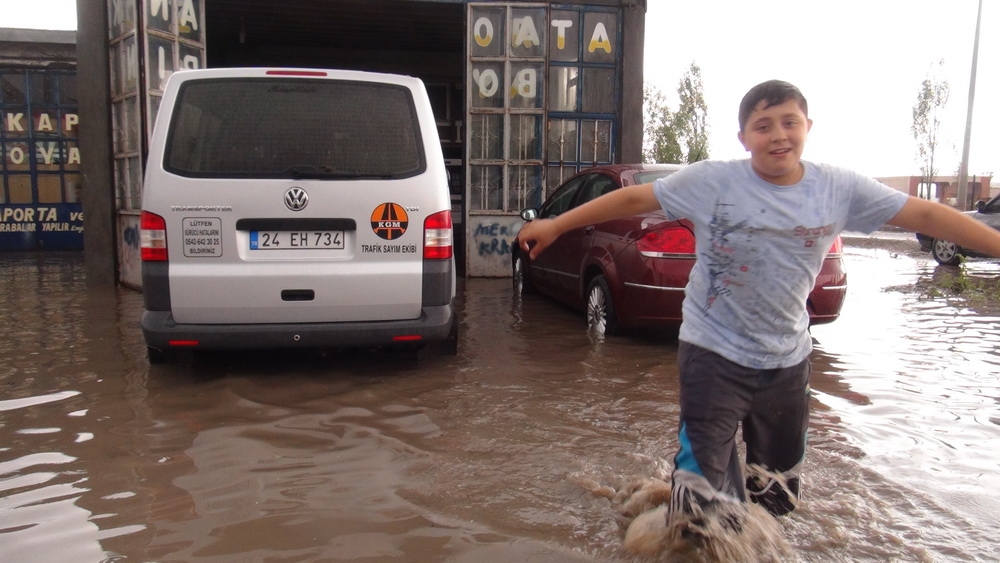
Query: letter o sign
[482,32]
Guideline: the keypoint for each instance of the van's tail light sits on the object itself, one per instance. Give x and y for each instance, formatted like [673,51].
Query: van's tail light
[837,248]
[666,242]
[438,236]
[152,237]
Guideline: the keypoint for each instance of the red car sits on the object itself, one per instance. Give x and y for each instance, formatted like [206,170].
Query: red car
[631,273]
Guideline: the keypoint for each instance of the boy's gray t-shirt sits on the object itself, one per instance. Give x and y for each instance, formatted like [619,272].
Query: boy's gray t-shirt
[759,247]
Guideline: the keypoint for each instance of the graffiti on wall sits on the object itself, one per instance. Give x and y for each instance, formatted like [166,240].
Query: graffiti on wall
[491,242]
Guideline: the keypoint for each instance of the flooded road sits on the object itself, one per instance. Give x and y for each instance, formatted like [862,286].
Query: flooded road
[485,456]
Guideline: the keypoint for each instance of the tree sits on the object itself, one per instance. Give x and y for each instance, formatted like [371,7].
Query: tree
[681,136]
[691,120]
[659,141]
[931,101]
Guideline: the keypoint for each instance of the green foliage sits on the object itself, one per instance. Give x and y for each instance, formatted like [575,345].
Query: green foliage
[958,282]
[691,119]
[680,136]
[659,142]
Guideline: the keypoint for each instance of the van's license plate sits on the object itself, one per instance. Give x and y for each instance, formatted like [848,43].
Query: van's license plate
[296,240]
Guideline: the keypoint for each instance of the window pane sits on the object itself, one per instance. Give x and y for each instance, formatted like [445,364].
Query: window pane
[121,183]
[562,140]
[19,188]
[595,142]
[527,37]
[486,136]
[73,187]
[486,38]
[526,85]
[486,187]
[49,188]
[45,123]
[115,69]
[47,156]
[564,39]
[118,124]
[525,134]
[525,187]
[67,89]
[135,183]
[132,124]
[16,156]
[563,84]
[601,40]
[14,92]
[556,175]
[160,62]
[43,88]
[188,25]
[598,90]
[487,90]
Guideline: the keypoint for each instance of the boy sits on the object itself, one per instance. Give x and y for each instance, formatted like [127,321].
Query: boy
[763,227]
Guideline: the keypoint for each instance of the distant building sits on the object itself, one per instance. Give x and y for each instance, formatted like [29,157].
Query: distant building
[944,188]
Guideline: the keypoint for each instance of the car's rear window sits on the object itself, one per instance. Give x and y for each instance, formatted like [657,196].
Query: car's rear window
[647,177]
[293,128]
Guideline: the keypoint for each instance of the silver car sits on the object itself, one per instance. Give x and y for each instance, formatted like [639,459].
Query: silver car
[949,253]
[295,208]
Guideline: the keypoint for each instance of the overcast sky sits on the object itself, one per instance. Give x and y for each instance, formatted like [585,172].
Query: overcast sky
[860,64]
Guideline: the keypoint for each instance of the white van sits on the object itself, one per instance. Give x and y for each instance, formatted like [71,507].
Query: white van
[295,208]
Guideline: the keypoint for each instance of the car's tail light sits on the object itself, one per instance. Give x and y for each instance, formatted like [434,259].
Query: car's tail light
[152,237]
[837,248]
[438,236]
[666,242]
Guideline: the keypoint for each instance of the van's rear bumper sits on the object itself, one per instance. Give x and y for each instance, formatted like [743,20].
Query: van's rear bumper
[162,333]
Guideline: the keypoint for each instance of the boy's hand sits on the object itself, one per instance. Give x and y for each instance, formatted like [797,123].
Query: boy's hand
[536,235]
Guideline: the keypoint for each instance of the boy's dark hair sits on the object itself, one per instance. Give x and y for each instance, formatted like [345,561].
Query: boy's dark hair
[773,92]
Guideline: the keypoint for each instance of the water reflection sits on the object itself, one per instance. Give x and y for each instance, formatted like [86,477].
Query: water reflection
[476,457]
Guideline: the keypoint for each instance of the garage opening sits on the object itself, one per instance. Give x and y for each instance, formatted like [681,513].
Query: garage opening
[421,39]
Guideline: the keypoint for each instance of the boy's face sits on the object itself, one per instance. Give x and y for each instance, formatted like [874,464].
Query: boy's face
[775,137]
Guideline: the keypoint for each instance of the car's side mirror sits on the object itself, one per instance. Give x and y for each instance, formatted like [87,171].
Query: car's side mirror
[529,214]
[980,205]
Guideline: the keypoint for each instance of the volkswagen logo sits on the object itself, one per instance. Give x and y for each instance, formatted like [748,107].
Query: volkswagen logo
[296,199]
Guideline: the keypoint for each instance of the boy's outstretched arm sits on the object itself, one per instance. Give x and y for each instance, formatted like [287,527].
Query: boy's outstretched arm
[943,222]
[536,235]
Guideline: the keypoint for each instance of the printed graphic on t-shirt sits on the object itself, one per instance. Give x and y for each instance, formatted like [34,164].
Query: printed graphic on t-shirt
[722,267]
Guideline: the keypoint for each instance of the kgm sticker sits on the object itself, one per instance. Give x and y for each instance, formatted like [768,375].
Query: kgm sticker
[389,221]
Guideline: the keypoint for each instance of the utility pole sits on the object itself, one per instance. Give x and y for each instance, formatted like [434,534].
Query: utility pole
[963,170]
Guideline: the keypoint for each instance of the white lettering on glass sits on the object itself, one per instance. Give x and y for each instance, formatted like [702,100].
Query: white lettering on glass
[482,32]
[524,83]
[487,81]
[561,27]
[188,17]
[600,39]
[524,32]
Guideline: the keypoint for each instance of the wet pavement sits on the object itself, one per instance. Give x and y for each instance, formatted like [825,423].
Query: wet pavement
[490,455]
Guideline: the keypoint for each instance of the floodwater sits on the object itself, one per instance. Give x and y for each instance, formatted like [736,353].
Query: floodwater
[491,455]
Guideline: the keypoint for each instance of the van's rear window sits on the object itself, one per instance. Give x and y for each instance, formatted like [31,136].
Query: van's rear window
[293,128]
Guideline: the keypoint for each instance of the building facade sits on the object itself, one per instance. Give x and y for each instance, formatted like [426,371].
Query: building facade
[525,94]
[943,189]
[39,125]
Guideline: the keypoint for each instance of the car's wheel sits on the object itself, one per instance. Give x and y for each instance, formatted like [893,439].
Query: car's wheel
[601,317]
[521,284]
[946,253]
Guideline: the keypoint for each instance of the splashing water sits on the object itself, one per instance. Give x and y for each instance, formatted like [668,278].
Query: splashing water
[727,533]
